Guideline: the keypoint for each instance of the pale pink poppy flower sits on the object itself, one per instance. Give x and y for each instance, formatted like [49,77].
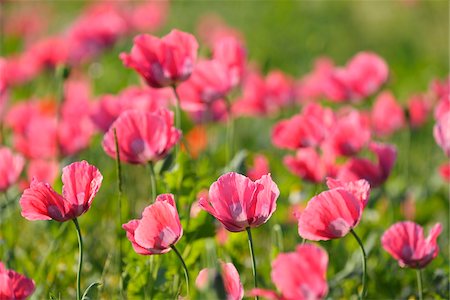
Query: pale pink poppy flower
[406,243]
[442,108]
[210,81]
[362,168]
[14,286]
[81,182]
[299,275]
[260,167]
[239,203]
[231,280]
[142,136]
[163,62]
[158,229]
[387,115]
[366,73]
[441,132]
[333,213]
[11,166]
[233,55]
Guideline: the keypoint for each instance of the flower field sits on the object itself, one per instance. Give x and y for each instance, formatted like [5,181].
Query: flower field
[224,150]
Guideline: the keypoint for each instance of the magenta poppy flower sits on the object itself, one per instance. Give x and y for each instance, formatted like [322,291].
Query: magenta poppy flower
[387,115]
[441,132]
[231,280]
[81,182]
[298,275]
[406,243]
[163,62]
[142,136]
[158,229]
[11,166]
[13,285]
[238,202]
[333,213]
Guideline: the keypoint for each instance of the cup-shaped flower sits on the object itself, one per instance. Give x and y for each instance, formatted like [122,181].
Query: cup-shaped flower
[142,136]
[405,241]
[230,277]
[441,132]
[298,275]
[13,285]
[238,202]
[81,182]
[158,229]
[11,166]
[163,62]
[333,213]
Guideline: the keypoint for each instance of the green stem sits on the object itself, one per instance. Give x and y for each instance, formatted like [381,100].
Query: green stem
[419,283]
[119,198]
[186,272]
[252,254]
[364,258]
[152,180]
[80,257]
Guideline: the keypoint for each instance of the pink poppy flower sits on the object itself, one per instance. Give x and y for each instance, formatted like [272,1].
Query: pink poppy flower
[158,229]
[142,136]
[444,171]
[441,132]
[418,109]
[387,115]
[254,97]
[42,170]
[49,52]
[307,164]
[148,15]
[231,280]
[238,202]
[81,182]
[232,54]
[366,73]
[350,134]
[163,62]
[11,166]
[108,108]
[98,27]
[260,167]
[210,81]
[362,168]
[14,286]
[298,275]
[406,243]
[311,86]
[333,213]
[280,88]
